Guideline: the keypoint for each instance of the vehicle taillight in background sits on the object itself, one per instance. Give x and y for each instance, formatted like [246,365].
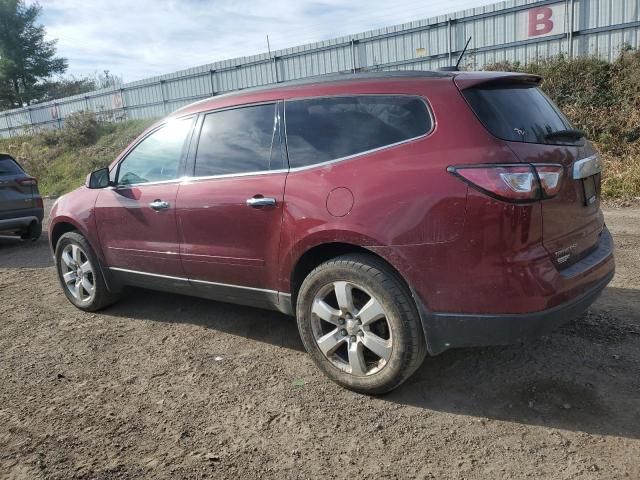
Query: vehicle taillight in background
[515,183]
[27,182]
[39,202]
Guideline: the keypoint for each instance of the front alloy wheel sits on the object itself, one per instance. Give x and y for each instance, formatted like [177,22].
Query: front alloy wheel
[78,273]
[81,275]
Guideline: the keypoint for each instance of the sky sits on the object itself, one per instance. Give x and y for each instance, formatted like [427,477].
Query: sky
[136,39]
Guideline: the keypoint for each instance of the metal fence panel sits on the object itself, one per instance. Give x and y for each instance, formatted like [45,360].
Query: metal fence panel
[513,30]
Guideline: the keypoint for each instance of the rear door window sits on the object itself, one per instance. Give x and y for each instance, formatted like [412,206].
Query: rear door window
[8,166]
[239,140]
[518,114]
[330,128]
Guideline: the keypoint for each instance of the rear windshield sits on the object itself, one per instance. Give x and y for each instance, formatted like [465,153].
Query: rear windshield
[518,114]
[8,166]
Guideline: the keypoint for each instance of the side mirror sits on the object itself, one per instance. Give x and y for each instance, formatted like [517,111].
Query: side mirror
[99,179]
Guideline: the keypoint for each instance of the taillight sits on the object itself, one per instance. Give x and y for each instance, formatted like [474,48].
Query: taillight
[27,182]
[39,203]
[519,183]
[550,178]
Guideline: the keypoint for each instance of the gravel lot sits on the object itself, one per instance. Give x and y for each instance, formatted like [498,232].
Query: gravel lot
[162,386]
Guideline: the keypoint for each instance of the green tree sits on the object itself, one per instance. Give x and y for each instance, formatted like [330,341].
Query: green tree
[26,57]
[65,87]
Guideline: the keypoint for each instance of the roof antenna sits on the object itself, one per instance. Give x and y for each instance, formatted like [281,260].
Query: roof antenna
[454,68]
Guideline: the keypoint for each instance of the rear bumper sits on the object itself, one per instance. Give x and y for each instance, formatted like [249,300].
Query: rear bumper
[451,330]
[16,220]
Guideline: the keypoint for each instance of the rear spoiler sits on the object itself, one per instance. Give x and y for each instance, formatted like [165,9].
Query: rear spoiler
[493,79]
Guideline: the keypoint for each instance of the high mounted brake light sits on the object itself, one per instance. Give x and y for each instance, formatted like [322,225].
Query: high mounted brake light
[515,183]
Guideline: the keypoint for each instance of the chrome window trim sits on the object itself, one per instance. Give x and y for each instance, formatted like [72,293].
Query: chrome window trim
[192,179]
[204,282]
[366,152]
[186,180]
[356,155]
[159,182]
[587,167]
[233,175]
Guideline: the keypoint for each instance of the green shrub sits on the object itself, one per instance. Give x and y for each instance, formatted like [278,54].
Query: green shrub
[80,129]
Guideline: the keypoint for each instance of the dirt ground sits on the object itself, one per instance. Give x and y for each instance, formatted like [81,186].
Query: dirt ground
[162,386]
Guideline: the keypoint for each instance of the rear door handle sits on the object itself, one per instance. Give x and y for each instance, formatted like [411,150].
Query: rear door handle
[159,205]
[257,202]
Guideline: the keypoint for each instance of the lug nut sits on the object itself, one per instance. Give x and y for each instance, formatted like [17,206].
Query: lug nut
[361,333]
[341,321]
[348,316]
[358,321]
[353,338]
[343,332]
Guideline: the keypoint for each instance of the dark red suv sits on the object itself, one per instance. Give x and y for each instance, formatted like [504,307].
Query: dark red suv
[393,214]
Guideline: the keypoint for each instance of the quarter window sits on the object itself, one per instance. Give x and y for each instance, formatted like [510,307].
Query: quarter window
[157,157]
[323,129]
[241,140]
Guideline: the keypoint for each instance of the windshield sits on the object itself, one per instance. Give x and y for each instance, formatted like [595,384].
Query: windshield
[520,114]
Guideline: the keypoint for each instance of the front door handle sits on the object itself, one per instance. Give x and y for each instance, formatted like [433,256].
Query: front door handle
[259,201]
[159,205]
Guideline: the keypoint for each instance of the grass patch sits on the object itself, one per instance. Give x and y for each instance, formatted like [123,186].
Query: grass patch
[61,159]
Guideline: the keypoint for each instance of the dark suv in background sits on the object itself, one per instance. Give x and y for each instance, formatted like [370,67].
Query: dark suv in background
[393,214]
[21,209]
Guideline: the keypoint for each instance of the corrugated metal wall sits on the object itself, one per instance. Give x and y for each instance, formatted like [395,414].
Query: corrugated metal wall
[515,30]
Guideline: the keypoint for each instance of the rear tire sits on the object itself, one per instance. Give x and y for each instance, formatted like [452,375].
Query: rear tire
[81,274]
[359,324]
[33,232]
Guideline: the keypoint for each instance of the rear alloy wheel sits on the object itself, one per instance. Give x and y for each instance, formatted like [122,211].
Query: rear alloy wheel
[358,322]
[351,328]
[80,274]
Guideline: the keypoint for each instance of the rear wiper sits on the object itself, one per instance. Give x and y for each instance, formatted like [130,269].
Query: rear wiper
[570,133]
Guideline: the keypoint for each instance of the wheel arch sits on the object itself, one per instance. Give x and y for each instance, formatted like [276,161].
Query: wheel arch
[65,225]
[59,229]
[323,252]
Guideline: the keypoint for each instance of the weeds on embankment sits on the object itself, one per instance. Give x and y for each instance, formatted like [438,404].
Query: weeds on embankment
[61,159]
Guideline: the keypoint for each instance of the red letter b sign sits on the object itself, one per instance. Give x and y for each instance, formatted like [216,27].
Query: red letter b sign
[540,22]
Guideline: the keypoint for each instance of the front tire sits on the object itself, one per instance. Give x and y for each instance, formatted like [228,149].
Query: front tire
[359,324]
[80,274]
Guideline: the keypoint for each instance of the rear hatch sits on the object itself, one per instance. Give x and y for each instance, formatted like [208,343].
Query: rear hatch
[515,110]
[17,189]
